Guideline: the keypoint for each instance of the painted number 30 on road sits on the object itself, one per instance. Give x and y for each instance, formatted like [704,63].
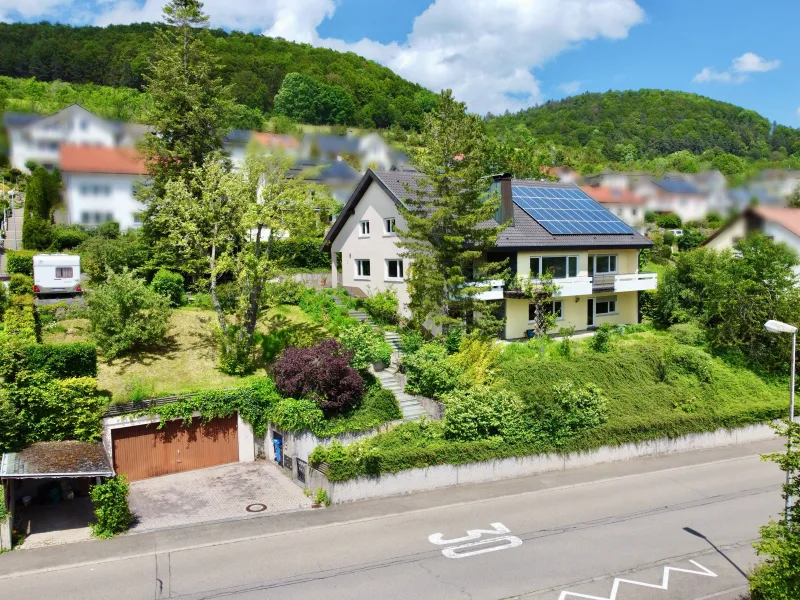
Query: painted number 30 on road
[498,541]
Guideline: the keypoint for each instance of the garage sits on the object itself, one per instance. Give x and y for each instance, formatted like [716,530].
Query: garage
[143,451]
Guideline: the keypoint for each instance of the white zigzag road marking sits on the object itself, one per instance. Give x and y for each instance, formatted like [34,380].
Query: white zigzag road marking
[663,586]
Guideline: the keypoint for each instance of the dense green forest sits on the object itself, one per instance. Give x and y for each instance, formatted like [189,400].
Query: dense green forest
[253,65]
[644,124]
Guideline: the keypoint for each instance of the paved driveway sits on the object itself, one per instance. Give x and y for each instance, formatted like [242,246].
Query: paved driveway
[213,494]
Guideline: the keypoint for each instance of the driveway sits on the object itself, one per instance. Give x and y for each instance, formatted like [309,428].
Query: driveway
[213,494]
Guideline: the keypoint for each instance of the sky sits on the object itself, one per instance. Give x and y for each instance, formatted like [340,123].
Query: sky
[500,55]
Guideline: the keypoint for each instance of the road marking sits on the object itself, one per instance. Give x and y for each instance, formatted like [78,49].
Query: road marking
[474,534]
[662,586]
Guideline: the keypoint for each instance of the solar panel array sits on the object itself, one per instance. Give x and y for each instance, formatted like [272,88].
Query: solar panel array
[566,211]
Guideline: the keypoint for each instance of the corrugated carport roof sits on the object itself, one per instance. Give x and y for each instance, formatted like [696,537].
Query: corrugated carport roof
[56,459]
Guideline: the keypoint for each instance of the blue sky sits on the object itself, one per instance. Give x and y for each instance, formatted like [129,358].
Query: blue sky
[508,54]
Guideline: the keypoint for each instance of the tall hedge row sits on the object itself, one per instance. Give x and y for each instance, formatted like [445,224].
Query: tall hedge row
[61,361]
[20,261]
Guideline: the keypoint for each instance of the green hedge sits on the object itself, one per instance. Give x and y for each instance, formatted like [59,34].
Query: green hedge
[20,284]
[20,320]
[61,361]
[20,261]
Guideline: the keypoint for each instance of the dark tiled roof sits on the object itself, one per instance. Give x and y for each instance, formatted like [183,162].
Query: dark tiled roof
[57,458]
[524,232]
[336,170]
[237,136]
[11,119]
[336,144]
[677,186]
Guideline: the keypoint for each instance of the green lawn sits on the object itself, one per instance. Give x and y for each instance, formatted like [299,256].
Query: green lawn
[188,360]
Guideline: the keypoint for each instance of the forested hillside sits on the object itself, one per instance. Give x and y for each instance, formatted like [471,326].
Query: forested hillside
[341,88]
[650,123]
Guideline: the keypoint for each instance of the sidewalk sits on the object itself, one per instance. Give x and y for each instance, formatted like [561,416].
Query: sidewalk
[197,536]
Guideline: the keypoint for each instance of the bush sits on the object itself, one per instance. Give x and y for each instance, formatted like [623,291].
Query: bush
[686,360]
[601,340]
[20,284]
[477,360]
[669,238]
[322,309]
[690,240]
[169,285]
[62,361]
[228,296]
[430,372]
[237,355]
[668,221]
[3,300]
[382,307]
[300,253]
[126,315]
[452,339]
[10,437]
[20,261]
[284,291]
[411,341]
[108,230]
[297,415]
[67,237]
[100,254]
[111,509]
[366,344]
[575,408]
[650,216]
[480,412]
[689,334]
[320,373]
[20,321]
[37,234]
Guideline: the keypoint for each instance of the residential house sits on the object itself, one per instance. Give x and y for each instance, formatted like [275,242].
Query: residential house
[619,179]
[623,202]
[562,174]
[771,187]
[778,223]
[553,227]
[338,176]
[677,195]
[38,138]
[370,150]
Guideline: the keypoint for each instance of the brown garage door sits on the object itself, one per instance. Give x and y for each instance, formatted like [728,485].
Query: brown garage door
[145,451]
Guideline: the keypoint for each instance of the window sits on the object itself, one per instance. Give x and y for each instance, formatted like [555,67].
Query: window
[605,305]
[137,219]
[62,272]
[604,263]
[633,212]
[555,308]
[95,218]
[363,228]
[560,266]
[394,268]
[388,226]
[362,268]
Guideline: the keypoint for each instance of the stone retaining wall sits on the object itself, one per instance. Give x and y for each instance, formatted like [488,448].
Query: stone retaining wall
[440,476]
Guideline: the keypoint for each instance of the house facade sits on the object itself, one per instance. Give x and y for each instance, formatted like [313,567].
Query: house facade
[624,203]
[552,227]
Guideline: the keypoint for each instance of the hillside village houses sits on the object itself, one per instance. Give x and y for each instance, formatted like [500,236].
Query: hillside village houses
[555,227]
[101,168]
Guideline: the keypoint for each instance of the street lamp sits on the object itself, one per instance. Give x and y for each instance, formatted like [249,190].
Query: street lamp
[779,327]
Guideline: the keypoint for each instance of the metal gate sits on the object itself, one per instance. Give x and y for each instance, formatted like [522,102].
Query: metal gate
[301,470]
[145,451]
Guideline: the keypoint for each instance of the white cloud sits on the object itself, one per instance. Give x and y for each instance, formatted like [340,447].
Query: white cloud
[738,72]
[570,87]
[483,50]
[753,63]
[29,8]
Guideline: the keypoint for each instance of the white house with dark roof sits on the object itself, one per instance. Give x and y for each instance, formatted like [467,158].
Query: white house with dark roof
[554,227]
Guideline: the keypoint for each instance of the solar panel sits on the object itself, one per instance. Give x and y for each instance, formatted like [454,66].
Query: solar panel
[567,211]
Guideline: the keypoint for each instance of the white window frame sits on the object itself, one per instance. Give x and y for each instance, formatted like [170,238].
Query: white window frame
[64,273]
[606,299]
[386,275]
[568,258]
[388,226]
[359,268]
[552,308]
[593,259]
[363,229]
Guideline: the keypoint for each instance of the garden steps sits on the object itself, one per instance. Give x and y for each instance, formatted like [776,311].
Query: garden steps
[412,410]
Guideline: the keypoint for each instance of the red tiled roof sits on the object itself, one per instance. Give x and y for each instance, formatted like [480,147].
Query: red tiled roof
[95,159]
[788,218]
[273,140]
[608,195]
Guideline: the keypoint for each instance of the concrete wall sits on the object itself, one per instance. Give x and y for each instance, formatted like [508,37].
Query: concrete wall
[374,207]
[5,524]
[431,478]
[119,201]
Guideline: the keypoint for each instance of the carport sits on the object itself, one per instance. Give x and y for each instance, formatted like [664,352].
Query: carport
[46,488]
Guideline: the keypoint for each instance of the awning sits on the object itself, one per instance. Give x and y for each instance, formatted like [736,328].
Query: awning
[56,459]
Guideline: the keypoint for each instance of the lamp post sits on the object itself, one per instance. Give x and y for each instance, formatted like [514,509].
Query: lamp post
[779,327]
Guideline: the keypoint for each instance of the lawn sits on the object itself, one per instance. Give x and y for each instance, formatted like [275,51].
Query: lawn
[187,362]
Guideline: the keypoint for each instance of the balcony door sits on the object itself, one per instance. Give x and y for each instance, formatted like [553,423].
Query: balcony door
[590,312]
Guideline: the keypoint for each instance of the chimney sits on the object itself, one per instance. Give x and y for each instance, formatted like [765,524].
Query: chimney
[506,212]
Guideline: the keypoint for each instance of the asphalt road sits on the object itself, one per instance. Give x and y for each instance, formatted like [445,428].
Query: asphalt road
[568,535]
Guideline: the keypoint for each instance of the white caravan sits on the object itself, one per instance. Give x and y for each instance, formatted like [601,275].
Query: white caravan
[56,274]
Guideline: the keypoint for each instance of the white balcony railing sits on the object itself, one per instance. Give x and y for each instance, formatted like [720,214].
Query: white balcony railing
[495,293]
[635,282]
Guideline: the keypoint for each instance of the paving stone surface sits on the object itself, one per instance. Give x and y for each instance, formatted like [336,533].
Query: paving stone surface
[213,494]
[52,525]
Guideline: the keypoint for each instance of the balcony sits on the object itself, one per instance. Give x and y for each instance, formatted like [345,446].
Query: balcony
[587,286]
[635,282]
[494,293]
[568,286]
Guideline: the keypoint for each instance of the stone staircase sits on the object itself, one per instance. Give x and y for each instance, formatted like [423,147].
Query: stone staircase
[412,410]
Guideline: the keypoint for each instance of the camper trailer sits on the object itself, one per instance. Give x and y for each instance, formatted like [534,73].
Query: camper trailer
[56,274]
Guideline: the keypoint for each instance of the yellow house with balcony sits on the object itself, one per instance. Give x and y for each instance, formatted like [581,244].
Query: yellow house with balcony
[552,228]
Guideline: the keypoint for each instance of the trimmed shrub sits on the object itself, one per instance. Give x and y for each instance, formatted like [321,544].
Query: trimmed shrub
[169,285]
[480,413]
[366,344]
[3,299]
[284,291]
[67,237]
[111,509]
[20,261]
[601,340]
[430,372]
[125,314]
[62,361]
[20,320]
[320,373]
[382,307]
[20,284]
[668,221]
[297,415]
[37,234]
